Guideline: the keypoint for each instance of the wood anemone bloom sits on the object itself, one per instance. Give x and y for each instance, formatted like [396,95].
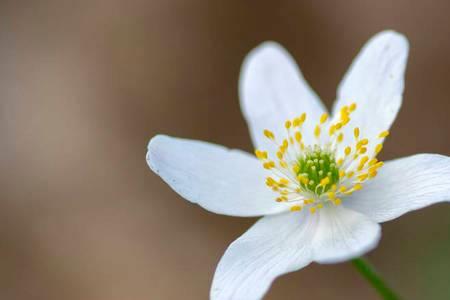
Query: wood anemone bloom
[316,179]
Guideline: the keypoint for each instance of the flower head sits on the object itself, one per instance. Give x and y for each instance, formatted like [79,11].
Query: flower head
[317,180]
[324,172]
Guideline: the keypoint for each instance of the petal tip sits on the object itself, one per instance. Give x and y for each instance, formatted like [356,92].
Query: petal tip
[268,47]
[391,37]
[266,51]
[152,149]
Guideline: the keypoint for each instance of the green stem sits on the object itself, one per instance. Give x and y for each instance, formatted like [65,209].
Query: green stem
[368,271]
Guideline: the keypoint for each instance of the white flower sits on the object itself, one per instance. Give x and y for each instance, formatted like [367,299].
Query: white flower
[322,191]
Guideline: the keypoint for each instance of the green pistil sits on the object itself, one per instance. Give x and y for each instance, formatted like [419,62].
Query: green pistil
[316,165]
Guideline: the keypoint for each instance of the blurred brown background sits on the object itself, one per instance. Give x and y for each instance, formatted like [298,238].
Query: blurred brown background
[85,84]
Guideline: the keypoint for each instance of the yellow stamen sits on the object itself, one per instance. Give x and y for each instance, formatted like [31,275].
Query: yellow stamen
[302,118]
[269,165]
[378,148]
[288,124]
[317,131]
[357,187]
[296,208]
[261,154]
[383,134]
[348,150]
[325,181]
[269,134]
[363,177]
[356,132]
[323,118]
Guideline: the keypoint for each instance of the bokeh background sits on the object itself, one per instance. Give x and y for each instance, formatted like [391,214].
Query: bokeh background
[84,85]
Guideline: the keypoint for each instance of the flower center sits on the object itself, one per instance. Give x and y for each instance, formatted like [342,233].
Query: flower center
[325,171]
[317,170]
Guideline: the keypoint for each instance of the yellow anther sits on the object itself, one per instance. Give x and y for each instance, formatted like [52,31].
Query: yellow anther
[302,118]
[373,161]
[269,165]
[364,142]
[341,174]
[376,166]
[317,131]
[356,132]
[345,121]
[280,154]
[296,169]
[383,134]
[298,136]
[302,179]
[357,187]
[296,122]
[342,188]
[296,208]
[270,181]
[333,188]
[379,164]
[363,177]
[350,174]
[338,125]
[312,210]
[285,143]
[353,106]
[269,134]
[279,199]
[332,130]
[337,201]
[283,164]
[378,148]
[284,192]
[283,181]
[319,205]
[325,181]
[331,195]
[288,124]
[340,137]
[308,201]
[372,173]
[362,162]
[348,150]
[362,150]
[340,161]
[261,154]
[323,118]
[344,110]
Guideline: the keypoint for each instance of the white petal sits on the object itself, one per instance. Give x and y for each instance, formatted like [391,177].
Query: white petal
[343,234]
[375,82]
[283,243]
[404,185]
[221,180]
[275,245]
[272,90]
